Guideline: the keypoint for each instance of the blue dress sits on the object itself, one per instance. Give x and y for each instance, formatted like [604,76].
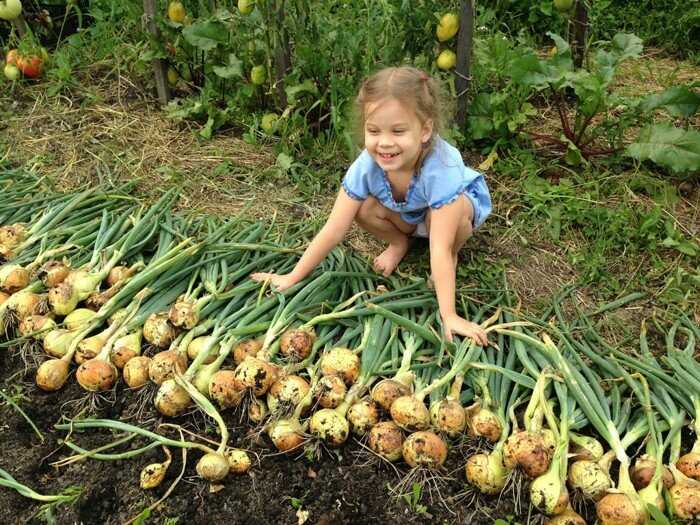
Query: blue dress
[442,178]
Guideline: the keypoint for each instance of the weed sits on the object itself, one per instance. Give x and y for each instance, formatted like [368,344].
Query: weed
[413,499]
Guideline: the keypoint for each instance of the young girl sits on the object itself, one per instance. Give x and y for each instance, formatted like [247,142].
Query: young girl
[407,182]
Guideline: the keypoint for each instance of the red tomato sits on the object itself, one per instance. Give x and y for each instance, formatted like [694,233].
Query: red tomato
[31,66]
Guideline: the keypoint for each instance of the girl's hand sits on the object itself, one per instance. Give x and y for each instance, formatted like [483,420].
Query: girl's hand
[279,282]
[455,324]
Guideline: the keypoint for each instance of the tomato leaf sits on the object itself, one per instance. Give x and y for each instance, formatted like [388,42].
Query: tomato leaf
[206,35]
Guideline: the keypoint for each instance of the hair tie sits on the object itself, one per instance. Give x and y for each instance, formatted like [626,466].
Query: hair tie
[424,77]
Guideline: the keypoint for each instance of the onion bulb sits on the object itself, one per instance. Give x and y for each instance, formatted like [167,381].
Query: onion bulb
[52,374]
[685,497]
[257,411]
[56,342]
[689,464]
[135,371]
[13,278]
[4,297]
[126,348]
[341,362]
[171,399]
[424,449]
[642,472]
[53,273]
[486,472]
[387,391]
[549,494]
[213,467]
[158,331]
[205,342]
[286,393]
[589,478]
[78,318]
[620,508]
[164,364]
[528,451]
[153,475]
[97,375]
[222,389]
[249,347]
[183,313]
[585,447]
[410,413]
[256,375]
[330,391]
[330,425]
[238,460]
[386,440]
[30,325]
[568,517]
[286,434]
[448,416]
[297,343]
[362,416]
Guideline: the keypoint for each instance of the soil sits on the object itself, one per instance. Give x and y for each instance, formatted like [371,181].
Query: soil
[344,486]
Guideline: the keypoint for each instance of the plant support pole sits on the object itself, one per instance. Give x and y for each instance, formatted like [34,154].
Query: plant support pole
[579,36]
[159,68]
[465,44]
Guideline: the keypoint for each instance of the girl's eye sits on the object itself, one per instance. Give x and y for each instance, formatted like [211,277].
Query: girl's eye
[399,131]
[372,131]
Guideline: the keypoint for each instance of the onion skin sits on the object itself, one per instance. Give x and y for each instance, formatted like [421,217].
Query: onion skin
[183,313]
[153,475]
[549,495]
[286,393]
[135,371]
[617,508]
[642,472]
[589,448]
[424,449]
[286,435]
[330,391]
[199,344]
[330,426]
[78,318]
[238,460]
[213,467]
[13,278]
[164,364]
[588,478]
[222,389]
[25,304]
[297,344]
[410,414]
[63,298]
[257,411]
[125,349]
[4,297]
[56,342]
[171,399]
[53,273]
[448,417]
[116,274]
[387,391]
[89,347]
[158,331]
[362,416]
[486,472]
[249,347]
[97,375]
[12,235]
[341,362]
[36,323]
[685,499]
[52,374]
[689,465]
[386,440]
[568,517]
[256,375]
[528,451]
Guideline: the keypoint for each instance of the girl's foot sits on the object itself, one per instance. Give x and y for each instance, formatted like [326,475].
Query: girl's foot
[387,261]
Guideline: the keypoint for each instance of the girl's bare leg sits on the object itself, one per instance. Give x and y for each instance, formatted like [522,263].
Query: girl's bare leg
[388,226]
[464,230]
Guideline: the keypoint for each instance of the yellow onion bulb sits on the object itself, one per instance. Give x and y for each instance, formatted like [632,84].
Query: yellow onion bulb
[256,375]
[286,393]
[53,273]
[52,374]
[685,499]
[126,348]
[135,371]
[486,472]
[199,344]
[424,449]
[586,448]
[171,399]
[183,313]
[448,417]
[386,440]
[410,413]
[56,342]
[549,494]
[158,330]
[286,434]
[528,451]
[89,348]
[4,297]
[13,278]
[330,391]
[330,426]
[222,389]
[341,362]
[362,416]
[117,274]
[97,375]
[12,235]
[32,324]
[589,478]
[643,470]
[78,318]
[153,475]
[297,343]
[689,465]
[257,411]
[25,304]
[238,460]
[387,391]
[213,467]
[620,508]
[249,347]
[568,517]
[63,298]
[164,364]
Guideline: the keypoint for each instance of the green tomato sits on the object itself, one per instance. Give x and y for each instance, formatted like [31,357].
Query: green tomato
[10,9]
[446,60]
[246,6]
[563,5]
[11,72]
[258,75]
[269,122]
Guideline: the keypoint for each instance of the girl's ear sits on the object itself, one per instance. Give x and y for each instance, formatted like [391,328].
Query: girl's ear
[427,131]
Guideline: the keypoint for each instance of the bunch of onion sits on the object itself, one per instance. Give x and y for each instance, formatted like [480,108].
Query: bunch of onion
[116,279]
[52,374]
[21,304]
[331,424]
[624,504]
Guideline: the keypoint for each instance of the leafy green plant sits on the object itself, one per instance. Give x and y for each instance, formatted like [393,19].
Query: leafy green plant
[413,499]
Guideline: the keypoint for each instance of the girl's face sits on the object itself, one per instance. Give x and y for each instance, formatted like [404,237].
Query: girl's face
[394,135]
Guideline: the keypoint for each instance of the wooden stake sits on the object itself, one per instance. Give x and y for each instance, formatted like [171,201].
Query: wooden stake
[159,66]
[465,44]
[579,35]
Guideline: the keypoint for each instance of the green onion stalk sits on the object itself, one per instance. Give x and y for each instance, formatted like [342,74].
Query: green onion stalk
[625,502]
[68,496]
[52,374]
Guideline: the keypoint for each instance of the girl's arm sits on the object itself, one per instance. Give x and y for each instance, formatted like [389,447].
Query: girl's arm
[444,222]
[337,225]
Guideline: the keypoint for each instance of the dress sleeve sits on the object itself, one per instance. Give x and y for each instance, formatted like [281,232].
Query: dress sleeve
[356,180]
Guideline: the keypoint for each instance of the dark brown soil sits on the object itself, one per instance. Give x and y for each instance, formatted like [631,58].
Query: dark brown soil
[348,486]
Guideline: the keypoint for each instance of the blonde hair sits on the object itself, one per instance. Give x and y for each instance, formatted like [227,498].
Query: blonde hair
[413,88]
